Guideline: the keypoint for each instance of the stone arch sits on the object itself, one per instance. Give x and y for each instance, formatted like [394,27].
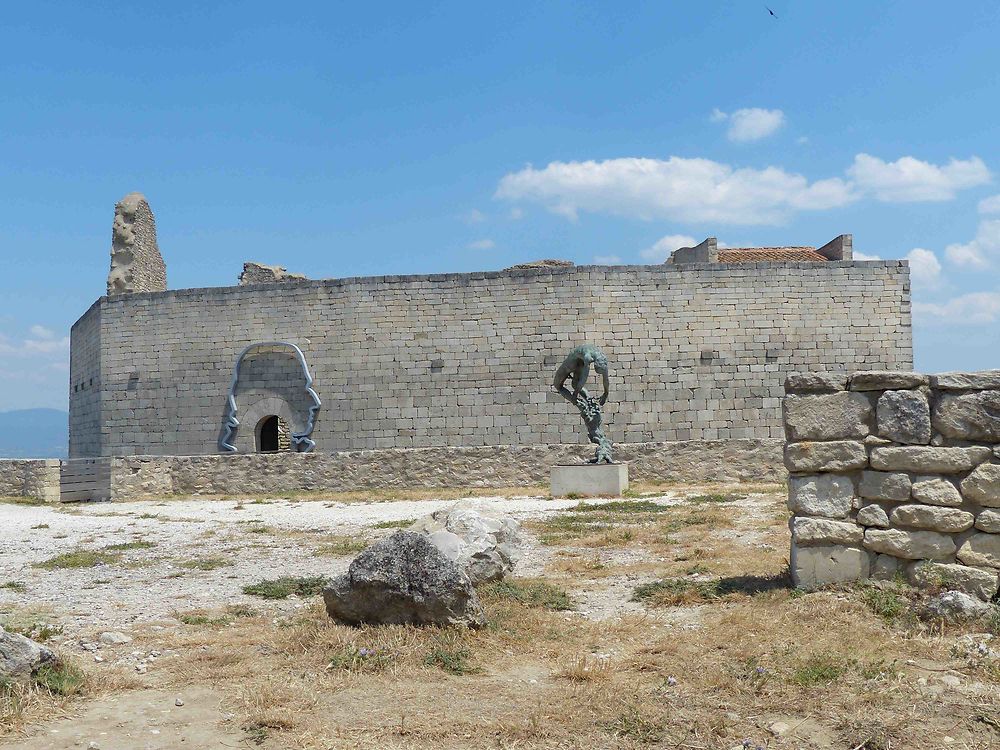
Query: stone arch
[295,403]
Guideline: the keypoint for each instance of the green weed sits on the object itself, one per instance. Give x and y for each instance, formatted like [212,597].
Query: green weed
[282,588]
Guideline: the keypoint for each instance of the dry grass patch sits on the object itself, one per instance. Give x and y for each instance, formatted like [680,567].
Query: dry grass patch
[342,546]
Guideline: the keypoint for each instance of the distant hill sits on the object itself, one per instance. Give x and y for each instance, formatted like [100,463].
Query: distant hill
[34,433]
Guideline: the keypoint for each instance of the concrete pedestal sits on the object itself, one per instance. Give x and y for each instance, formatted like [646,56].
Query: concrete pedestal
[589,480]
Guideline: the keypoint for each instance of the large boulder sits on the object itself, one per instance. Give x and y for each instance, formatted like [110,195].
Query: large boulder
[404,580]
[21,657]
[480,540]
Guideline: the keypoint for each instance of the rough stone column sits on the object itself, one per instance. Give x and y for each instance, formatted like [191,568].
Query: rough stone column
[136,263]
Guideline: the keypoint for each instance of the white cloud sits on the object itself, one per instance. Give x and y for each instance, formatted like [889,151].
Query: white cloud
[978,252]
[661,250]
[908,179]
[607,260]
[678,189]
[475,216]
[516,214]
[44,342]
[802,140]
[990,205]
[975,308]
[752,124]
[865,256]
[925,268]
[746,125]
[485,244]
[34,369]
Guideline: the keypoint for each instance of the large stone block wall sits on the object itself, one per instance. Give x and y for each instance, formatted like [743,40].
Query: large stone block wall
[698,352]
[85,384]
[895,473]
[36,479]
[137,477]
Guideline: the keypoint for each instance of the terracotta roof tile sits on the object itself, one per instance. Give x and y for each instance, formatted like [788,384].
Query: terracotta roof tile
[755,254]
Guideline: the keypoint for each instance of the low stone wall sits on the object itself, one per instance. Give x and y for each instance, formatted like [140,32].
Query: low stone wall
[895,473]
[37,479]
[135,477]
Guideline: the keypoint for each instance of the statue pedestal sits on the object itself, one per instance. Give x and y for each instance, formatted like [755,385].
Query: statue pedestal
[589,480]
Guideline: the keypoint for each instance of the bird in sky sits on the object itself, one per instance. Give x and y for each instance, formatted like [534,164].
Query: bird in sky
[771,12]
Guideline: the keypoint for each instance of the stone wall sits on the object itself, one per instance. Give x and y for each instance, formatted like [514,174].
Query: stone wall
[697,351]
[895,473]
[37,479]
[137,477]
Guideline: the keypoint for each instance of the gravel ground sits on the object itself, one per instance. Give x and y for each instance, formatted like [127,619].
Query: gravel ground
[152,584]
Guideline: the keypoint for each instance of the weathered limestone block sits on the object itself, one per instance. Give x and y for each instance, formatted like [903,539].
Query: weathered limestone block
[969,580]
[824,531]
[904,417]
[828,495]
[818,566]
[838,455]
[983,486]
[936,491]
[873,515]
[815,382]
[927,459]
[969,416]
[886,380]
[911,545]
[982,550]
[966,381]
[989,521]
[882,485]
[258,273]
[404,580]
[886,567]
[21,657]
[948,520]
[136,263]
[481,540]
[834,416]
[955,606]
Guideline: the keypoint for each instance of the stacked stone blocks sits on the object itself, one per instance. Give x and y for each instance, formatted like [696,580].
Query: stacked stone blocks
[698,352]
[895,473]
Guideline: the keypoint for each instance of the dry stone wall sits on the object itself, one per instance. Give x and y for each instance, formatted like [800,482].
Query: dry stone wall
[895,473]
[37,479]
[136,477]
[698,352]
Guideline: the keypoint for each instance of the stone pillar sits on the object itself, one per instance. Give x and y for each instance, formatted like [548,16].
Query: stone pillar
[136,263]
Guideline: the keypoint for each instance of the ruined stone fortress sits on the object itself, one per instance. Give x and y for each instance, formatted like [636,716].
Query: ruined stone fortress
[443,378]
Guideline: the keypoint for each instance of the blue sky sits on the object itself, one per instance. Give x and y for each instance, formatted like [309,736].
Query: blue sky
[355,139]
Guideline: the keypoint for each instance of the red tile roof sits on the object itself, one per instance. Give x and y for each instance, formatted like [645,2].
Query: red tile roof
[754,254]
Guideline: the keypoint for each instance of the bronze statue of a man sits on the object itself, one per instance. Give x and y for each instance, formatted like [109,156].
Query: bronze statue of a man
[577,366]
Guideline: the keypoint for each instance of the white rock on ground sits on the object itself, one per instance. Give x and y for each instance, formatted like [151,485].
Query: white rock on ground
[955,606]
[21,657]
[482,541]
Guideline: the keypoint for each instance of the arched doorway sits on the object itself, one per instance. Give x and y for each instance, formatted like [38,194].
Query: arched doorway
[267,434]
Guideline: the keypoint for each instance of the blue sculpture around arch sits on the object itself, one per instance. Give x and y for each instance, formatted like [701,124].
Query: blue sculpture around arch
[231,423]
